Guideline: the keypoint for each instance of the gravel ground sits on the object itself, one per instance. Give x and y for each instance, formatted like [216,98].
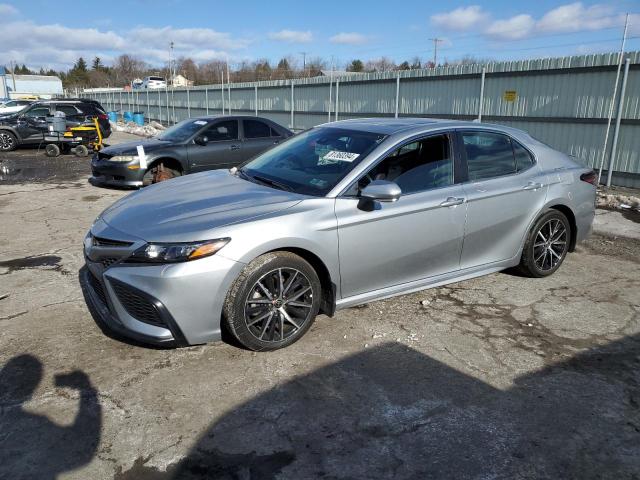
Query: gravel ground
[498,377]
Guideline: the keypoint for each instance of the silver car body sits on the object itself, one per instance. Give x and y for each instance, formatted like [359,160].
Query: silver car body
[418,242]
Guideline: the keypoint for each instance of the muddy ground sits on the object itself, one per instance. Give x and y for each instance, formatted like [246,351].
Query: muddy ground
[498,377]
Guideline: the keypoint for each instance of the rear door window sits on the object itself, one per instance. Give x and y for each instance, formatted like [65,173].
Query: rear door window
[489,155]
[256,129]
[68,110]
[524,160]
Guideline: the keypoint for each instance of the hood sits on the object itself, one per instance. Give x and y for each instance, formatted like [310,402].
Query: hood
[129,148]
[188,208]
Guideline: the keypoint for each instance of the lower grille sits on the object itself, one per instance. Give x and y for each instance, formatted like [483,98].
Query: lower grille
[108,261]
[137,306]
[96,286]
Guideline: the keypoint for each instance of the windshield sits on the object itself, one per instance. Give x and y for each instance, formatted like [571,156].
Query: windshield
[182,131]
[313,162]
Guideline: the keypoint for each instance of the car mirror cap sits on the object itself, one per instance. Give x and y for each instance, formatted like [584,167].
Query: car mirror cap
[382,191]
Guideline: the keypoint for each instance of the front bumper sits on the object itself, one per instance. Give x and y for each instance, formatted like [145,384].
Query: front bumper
[115,174]
[167,304]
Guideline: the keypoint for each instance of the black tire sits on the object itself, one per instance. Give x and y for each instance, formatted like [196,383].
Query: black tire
[152,175]
[283,321]
[8,141]
[81,151]
[546,245]
[52,150]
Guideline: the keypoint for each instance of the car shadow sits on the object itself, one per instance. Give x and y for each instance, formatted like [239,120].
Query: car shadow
[392,412]
[33,446]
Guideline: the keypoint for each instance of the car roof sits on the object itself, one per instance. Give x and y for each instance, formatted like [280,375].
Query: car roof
[232,117]
[409,125]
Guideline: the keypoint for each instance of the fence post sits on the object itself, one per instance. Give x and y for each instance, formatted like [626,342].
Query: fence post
[397,93]
[206,99]
[222,92]
[481,106]
[291,104]
[337,97]
[166,91]
[330,99]
[188,103]
[159,108]
[120,95]
[173,103]
[256,98]
[612,159]
[148,108]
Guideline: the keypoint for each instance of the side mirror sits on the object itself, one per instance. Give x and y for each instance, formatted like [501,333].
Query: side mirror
[202,140]
[382,191]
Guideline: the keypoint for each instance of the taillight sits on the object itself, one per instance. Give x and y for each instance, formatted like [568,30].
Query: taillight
[102,116]
[590,177]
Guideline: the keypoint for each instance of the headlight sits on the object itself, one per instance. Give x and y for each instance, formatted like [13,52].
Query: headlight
[177,252]
[124,158]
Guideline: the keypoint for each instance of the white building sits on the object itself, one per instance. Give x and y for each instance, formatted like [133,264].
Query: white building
[181,81]
[16,86]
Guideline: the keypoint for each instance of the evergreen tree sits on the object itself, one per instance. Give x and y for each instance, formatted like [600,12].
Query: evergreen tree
[355,66]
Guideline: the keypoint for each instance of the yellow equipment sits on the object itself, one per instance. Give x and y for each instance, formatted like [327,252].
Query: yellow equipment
[80,140]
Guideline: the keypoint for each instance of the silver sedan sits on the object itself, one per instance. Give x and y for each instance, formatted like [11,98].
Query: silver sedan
[340,215]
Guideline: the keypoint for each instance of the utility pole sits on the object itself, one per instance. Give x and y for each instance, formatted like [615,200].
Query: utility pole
[304,63]
[435,41]
[171,62]
[13,75]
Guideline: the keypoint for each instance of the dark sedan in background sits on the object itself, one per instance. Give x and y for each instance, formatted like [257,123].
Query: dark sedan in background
[191,146]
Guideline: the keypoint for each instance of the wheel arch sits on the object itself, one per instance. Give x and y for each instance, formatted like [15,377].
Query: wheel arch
[168,161]
[11,130]
[568,212]
[328,302]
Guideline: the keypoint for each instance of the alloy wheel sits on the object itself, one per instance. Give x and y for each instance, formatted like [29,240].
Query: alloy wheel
[279,304]
[6,141]
[550,245]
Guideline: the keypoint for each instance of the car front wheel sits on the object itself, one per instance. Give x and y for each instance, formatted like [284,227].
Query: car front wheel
[547,245]
[8,141]
[273,302]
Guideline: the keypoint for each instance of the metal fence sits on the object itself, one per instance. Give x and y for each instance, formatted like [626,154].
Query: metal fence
[565,102]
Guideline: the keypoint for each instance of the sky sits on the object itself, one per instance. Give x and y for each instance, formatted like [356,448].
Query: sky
[42,33]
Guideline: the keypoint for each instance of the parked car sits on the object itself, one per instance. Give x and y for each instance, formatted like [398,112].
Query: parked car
[12,106]
[154,82]
[193,145]
[340,215]
[28,125]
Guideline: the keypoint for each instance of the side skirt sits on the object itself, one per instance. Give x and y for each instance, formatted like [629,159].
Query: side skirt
[426,283]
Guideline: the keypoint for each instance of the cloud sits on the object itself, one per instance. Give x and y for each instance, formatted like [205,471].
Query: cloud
[349,38]
[292,36]
[57,46]
[515,28]
[576,17]
[7,10]
[461,19]
[568,18]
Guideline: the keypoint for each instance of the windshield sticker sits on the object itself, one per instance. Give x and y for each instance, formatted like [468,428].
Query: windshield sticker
[199,122]
[338,156]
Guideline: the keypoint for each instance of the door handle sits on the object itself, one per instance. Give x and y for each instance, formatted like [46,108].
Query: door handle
[533,186]
[234,147]
[452,202]
[275,142]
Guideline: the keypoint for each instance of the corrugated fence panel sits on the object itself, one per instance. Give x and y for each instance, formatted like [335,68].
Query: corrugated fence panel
[564,102]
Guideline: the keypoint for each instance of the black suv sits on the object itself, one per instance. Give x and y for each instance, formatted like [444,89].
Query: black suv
[29,125]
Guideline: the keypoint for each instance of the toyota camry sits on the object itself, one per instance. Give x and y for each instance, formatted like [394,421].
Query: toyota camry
[342,214]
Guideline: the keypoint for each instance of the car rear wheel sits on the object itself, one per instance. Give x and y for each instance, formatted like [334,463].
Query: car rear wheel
[8,141]
[547,245]
[273,302]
